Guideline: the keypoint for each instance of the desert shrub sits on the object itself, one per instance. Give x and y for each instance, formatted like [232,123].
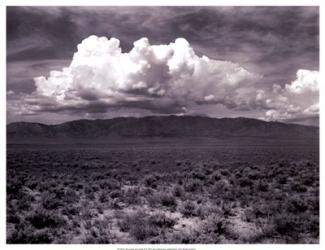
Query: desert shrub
[245,182]
[70,196]
[88,225]
[70,210]
[151,181]
[88,190]
[32,184]
[262,209]
[313,226]
[300,188]
[161,220]
[115,194]
[12,217]
[197,175]
[58,191]
[125,223]
[247,170]
[14,186]
[43,218]
[100,209]
[215,176]
[262,186]
[184,237]
[203,211]
[25,201]
[115,203]
[50,201]
[188,208]
[296,205]
[282,180]
[101,239]
[133,195]
[221,185]
[238,175]
[137,224]
[97,176]
[88,214]
[227,209]
[178,163]
[215,224]
[95,188]
[43,236]
[178,191]
[110,184]
[90,196]
[285,224]
[22,234]
[224,172]
[77,186]
[101,235]
[308,180]
[103,197]
[254,175]
[26,234]
[161,198]
[167,199]
[249,215]
[313,203]
[209,238]
[142,232]
[192,185]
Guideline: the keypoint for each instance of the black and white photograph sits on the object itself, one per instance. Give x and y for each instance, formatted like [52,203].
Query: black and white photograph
[162,125]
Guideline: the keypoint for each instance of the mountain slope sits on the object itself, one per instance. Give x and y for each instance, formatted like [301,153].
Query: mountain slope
[161,126]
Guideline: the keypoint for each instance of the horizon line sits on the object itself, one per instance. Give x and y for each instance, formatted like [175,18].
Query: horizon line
[170,115]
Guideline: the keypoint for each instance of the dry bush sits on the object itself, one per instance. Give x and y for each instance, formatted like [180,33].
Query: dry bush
[42,218]
[100,233]
[151,181]
[188,208]
[178,191]
[26,234]
[192,185]
[50,201]
[161,220]
[162,199]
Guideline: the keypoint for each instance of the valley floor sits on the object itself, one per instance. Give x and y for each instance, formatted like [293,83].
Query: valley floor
[164,192]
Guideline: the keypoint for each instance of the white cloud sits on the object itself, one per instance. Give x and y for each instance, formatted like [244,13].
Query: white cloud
[307,81]
[166,79]
[298,99]
[171,74]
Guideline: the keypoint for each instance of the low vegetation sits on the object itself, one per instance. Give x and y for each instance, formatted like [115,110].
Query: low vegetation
[162,195]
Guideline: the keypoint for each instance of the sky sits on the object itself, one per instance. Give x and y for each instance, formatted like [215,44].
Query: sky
[68,63]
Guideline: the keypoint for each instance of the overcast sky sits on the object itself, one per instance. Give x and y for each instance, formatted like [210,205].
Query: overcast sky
[67,63]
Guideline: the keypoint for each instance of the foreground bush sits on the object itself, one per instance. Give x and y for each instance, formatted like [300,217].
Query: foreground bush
[42,219]
[141,226]
[25,233]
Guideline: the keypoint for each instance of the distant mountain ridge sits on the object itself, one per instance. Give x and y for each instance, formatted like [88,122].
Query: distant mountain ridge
[160,126]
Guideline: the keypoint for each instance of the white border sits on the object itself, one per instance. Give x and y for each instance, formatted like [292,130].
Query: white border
[4,3]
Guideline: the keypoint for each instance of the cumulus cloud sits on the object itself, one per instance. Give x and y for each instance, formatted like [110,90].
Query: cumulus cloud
[164,79]
[156,77]
[296,100]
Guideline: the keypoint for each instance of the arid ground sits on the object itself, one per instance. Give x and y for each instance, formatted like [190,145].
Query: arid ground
[164,191]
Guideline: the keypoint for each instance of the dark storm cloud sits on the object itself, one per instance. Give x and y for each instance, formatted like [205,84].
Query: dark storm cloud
[97,107]
[271,41]
[40,33]
[263,34]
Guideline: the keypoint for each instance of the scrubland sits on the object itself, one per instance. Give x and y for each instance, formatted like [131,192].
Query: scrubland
[163,194]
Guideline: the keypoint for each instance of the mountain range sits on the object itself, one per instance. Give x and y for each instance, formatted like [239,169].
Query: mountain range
[160,126]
